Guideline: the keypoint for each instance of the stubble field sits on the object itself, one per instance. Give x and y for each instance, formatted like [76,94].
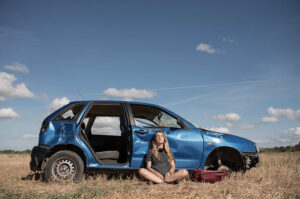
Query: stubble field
[277,177]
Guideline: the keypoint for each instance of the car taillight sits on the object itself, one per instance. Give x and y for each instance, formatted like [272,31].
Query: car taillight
[44,127]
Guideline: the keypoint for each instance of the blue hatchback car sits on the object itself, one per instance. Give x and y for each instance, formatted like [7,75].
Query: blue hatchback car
[86,136]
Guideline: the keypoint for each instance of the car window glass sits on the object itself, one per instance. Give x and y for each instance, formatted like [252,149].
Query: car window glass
[166,120]
[144,122]
[70,114]
[152,117]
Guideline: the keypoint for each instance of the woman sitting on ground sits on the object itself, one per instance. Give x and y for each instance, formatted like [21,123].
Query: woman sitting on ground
[160,163]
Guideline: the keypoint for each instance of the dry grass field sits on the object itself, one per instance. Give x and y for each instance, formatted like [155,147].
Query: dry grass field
[277,177]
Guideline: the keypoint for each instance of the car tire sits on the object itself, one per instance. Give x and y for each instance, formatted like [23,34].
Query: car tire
[64,166]
[225,168]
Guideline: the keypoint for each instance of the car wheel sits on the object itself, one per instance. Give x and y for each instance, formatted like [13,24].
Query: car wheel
[64,166]
[226,168]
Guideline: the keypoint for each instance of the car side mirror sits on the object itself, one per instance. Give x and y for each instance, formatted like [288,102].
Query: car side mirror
[181,123]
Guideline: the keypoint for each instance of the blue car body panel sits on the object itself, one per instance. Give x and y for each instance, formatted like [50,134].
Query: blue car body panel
[186,146]
[191,146]
[218,140]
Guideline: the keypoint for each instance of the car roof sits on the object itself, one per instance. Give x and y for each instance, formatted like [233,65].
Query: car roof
[95,102]
[111,101]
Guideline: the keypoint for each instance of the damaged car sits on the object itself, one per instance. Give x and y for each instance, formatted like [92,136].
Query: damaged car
[86,136]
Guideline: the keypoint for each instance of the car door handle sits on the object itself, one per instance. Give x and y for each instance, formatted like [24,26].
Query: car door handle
[140,132]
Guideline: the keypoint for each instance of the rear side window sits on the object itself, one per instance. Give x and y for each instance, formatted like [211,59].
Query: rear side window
[71,113]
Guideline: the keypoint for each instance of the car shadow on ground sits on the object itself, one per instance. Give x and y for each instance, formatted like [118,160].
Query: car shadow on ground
[36,176]
[39,176]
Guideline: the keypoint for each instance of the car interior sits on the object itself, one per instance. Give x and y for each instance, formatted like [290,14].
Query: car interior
[104,130]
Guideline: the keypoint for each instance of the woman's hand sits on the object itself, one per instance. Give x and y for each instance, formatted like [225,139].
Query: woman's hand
[167,174]
[160,176]
[148,167]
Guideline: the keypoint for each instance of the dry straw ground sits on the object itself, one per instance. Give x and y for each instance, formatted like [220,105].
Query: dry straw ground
[277,177]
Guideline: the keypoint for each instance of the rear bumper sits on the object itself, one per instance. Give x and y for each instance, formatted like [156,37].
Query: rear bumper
[38,154]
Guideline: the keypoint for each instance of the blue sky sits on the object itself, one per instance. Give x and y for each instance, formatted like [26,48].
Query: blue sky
[230,66]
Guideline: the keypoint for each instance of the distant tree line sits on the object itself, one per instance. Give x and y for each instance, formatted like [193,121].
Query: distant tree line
[282,149]
[15,152]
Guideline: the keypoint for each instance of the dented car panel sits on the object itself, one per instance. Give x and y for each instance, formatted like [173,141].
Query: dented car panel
[214,140]
[73,128]
[186,145]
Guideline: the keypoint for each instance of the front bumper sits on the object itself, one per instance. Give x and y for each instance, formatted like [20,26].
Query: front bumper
[250,160]
[38,154]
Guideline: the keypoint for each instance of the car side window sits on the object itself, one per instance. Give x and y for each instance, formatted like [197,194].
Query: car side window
[166,120]
[70,114]
[152,117]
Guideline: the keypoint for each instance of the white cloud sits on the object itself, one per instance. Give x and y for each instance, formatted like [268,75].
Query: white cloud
[9,90]
[8,113]
[17,67]
[294,131]
[220,129]
[107,122]
[57,103]
[206,48]
[230,117]
[290,136]
[271,119]
[106,131]
[227,40]
[106,126]
[289,113]
[129,94]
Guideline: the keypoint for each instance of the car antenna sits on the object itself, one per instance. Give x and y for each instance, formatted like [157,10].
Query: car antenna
[80,94]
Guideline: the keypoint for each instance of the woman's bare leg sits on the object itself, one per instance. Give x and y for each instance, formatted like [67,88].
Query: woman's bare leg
[178,175]
[144,173]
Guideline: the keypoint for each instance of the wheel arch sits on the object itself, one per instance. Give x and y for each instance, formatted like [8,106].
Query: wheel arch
[229,156]
[68,147]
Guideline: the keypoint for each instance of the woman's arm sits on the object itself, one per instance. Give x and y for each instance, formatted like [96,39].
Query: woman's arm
[172,169]
[148,166]
[172,164]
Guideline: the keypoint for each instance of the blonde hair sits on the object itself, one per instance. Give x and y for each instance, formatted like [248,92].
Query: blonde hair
[166,147]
